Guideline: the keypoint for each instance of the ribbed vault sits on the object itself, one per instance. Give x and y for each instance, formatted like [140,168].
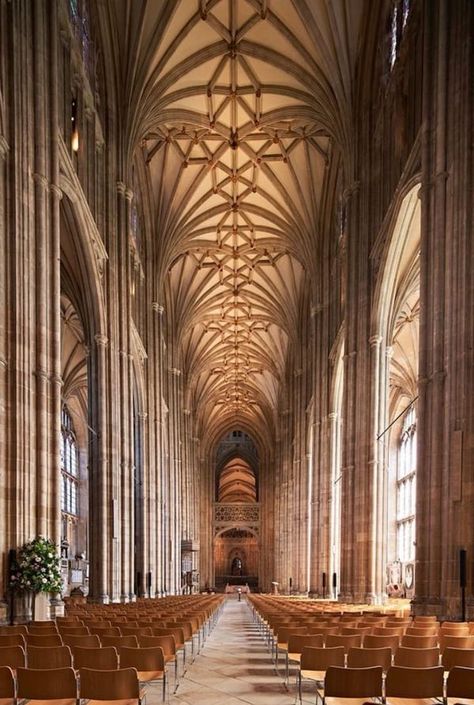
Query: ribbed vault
[237,107]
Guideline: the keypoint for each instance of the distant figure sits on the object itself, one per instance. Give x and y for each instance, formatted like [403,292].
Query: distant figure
[239,591]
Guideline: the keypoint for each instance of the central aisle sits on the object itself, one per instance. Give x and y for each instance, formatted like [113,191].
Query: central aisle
[234,666]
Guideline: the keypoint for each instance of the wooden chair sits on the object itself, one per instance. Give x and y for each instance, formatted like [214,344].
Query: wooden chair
[413,684]
[7,686]
[42,623]
[456,642]
[362,684]
[12,656]
[12,640]
[419,642]
[180,641]
[314,663]
[457,657]
[119,641]
[374,641]
[104,658]
[347,641]
[389,631]
[460,685]
[296,644]
[41,686]
[41,631]
[416,658]
[366,658]
[14,629]
[422,631]
[66,629]
[149,662]
[120,685]
[136,631]
[43,640]
[167,643]
[87,640]
[49,657]
[105,631]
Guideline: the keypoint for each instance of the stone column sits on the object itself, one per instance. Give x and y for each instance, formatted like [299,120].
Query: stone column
[445,499]
[4,474]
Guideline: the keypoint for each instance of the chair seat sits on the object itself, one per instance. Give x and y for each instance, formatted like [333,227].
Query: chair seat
[314,675]
[460,701]
[59,701]
[294,657]
[6,701]
[148,676]
[126,701]
[411,701]
[340,700]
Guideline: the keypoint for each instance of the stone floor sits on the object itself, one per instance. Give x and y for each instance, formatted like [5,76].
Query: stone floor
[234,667]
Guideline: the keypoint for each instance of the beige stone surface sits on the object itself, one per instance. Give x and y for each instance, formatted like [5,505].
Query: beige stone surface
[233,667]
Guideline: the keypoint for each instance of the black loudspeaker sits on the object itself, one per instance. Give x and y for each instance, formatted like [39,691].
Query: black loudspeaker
[324,580]
[291,582]
[138,583]
[148,581]
[462,568]
[334,580]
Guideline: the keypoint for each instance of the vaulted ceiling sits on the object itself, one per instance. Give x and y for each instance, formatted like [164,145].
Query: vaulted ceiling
[236,107]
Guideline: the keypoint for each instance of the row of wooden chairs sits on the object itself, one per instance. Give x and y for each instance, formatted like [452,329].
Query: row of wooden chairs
[70,688]
[337,683]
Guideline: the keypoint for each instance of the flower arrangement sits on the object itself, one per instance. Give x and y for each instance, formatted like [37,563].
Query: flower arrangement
[37,567]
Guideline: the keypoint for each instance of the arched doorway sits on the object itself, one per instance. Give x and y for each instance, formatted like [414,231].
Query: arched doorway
[236,555]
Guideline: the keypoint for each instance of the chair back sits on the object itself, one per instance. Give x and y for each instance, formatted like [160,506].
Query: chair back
[12,640]
[374,641]
[458,642]
[7,686]
[74,631]
[460,683]
[41,631]
[150,658]
[416,658]
[47,684]
[422,631]
[366,658]
[12,656]
[167,643]
[315,658]
[15,629]
[297,642]
[118,641]
[136,631]
[86,640]
[43,640]
[105,631]
[403,682]
[121,684]
[452,657]
[347,641]
[419,642]
[353,682]
[177,632]
[104,658]
[49,657]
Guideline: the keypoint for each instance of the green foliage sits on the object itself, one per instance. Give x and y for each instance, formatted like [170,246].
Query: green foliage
[37,567]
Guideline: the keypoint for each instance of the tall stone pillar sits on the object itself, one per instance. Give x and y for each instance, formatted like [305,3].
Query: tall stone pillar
[445,498]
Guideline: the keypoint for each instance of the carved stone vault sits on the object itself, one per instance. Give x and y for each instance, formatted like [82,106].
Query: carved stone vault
[235,137]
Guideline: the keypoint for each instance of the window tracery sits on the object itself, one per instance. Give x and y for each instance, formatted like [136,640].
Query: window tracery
[398,20]
[406,488]
[69,466]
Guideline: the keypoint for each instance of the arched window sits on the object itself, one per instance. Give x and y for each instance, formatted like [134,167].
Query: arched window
[69,467]
[406,488]
[397,23]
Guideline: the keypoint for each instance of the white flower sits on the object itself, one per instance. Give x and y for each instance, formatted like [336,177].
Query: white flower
[44,580]
[50,555]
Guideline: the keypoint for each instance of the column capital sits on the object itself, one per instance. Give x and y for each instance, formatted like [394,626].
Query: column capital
[4,147]
[121,188]
[174,371]
[375,340]
[159,308]
[101,340]
[56,191]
